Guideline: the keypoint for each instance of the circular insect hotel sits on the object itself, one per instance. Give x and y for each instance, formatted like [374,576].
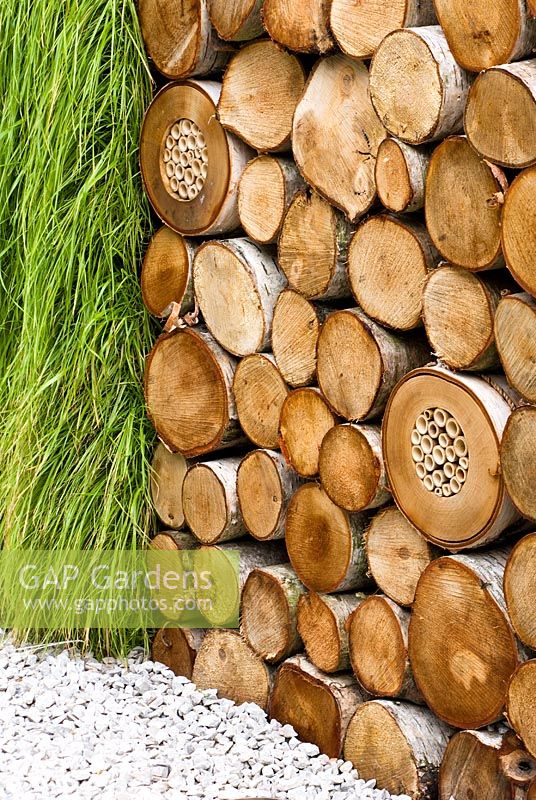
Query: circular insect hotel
[441,438]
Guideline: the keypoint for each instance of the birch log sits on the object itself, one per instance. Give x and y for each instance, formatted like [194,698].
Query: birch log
[322,622]
[173,540]
[520,589]
[236,20]
[317,705]
[359,363]
[265,484]
[267,188]
[517,460]
[401,175]
[166,273]
[519,230]
[295,331]
[237,284]
[167,475]
[305,420]
[398,744]
[301,25]
[417,88]
[521,709]
[210,501]
[259,392]
[177,648]
[515,331]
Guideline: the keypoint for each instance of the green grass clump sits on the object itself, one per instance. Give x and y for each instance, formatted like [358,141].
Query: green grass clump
[74,438]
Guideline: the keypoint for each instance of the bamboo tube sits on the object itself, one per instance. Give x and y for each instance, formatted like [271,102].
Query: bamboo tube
[463,676]
[295,330]
[478,509]
[166,273]
[464,196]
[520,709]
[261,88]
[305,420]
[401,175]
[398,744]
[351,467]
[214,208]
[313,247]
[188,393]
[518,230]
[237,284]
[388,262]
[236,20]
[267,188]
[378,649]
[301,25]
[269,612]
[336,134]
[324,543]
[180,39]
[259,392]
[459,311]
[494,761]
[167,475]
[265,485]
[520,589]
[517,460]
[504,98]
[177,648]
[210,501]
[397,554]
[322,626]
[515,331]
[318,706]
[227,663]
[359,363]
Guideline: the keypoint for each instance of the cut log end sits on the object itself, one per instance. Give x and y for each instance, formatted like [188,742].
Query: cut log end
[210,503]
[515,331]
[400,175]
[519,230]
[264,483]
[520,589]
[177,649]
[260,393]
[167,475]
[166,273]
[518,462]
[520,709]
[295,331]
[266,189]
[300,25]
[305,420]
[236,20]
[321,624]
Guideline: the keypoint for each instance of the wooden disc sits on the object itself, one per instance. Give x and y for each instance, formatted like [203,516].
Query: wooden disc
[259,392]
[167,474]
[462,215]
[319,630]
[295,331]
[336,134]
[517,460]
[397,555]
[205,503]
[305,420]
[463,675]
[520,589]
[261,88]
[350,471]
[166,273]
[499,98]
[261,199]
[236,20]
[260,494]
[301,26]
[175,648]
[515,330]
[519,230]
[265,616]
[388,261]
[520,708]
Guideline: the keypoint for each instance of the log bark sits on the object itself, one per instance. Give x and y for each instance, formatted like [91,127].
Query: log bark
[259,392]
[463,676]
[305,420]
[267,188]
[520,589]
[301,25]
[177,648]
[443,466]
[227,663]
[351,467]
[417,88]
[459,311]
[388,262]
[398,744]
[313,247]
[261,88]
[518,230]
[265,484]
[237,284]
[496,762]
[324,543]
[166,273]
[180,39]
[318,706]
[520,708]
[236,20]
[269,612]
[515,331]
[464,196]
[397,555]
[322,626]
[295,331]
[188,393]
[359,363]
[480,36]
[360,27]
[378,649]
[167,475]
[401,175]
[505,98]
[336,135]
[517,460]
[210,501]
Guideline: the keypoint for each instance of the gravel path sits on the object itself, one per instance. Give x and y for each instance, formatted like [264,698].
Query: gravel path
[79,727]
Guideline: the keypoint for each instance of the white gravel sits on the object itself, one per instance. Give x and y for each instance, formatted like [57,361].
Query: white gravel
[79,727]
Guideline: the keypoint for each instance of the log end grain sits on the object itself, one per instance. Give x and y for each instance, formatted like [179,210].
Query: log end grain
[519,230]
[520,707]
[301,25]
[261,494]
[166,273]
[318,627]
[167,475]
[261,199]
[400,175]
[295,331]
[205,503]
[236,20]
[520,589]
[260,393]
[177,649]
[518,462]
[515,331]
[305,420]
